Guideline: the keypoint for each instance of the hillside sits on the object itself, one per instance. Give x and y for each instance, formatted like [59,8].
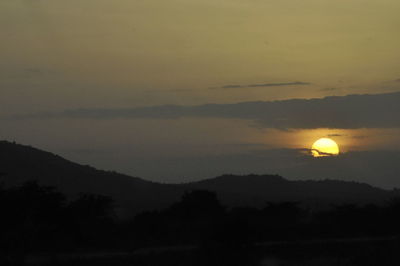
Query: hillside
[20,163]
[255,190]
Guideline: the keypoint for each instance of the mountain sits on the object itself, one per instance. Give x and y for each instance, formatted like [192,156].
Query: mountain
[21,163]
[255,190]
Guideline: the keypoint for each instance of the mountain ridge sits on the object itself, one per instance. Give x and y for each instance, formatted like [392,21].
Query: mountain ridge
[21,163]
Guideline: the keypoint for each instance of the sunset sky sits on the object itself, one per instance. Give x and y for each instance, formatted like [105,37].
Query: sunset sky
[179,90]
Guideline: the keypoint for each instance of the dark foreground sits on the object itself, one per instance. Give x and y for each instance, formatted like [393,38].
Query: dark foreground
[39,226]
[330,252]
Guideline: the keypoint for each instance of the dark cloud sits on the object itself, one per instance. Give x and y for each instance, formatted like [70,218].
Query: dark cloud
[297,83]
[235,86]
[230,87]
[252,145]
[347,112]
[329,89]
[336,135]
[170,91]
[360,137]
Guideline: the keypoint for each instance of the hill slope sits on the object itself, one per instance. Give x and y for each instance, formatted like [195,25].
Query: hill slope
[255,190]
[21,163]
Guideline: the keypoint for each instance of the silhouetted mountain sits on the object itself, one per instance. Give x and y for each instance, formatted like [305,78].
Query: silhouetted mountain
[255,190]
[21,163]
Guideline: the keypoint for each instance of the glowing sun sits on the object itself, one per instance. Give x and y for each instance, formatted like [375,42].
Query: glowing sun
[324,147]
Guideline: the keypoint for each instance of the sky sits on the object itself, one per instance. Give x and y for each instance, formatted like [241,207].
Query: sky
[176,91]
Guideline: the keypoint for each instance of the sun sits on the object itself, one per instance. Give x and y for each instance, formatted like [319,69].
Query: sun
[324,147]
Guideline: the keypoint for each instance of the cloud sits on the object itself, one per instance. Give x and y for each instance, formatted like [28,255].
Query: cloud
[170,91]
[360,137]
[336,135]
[231,87]
[235,86]
[329,89]
[346,112]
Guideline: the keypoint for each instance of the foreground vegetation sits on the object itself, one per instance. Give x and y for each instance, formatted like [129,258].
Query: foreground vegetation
[39,223]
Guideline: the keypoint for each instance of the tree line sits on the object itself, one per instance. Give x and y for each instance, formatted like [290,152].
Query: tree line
[40,219]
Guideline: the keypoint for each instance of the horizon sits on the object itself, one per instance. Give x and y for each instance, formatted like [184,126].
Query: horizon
[206,178]
[293,162]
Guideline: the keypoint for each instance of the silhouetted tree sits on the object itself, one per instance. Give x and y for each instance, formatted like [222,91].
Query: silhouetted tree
[92,219]
[197,204]
[30,219]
